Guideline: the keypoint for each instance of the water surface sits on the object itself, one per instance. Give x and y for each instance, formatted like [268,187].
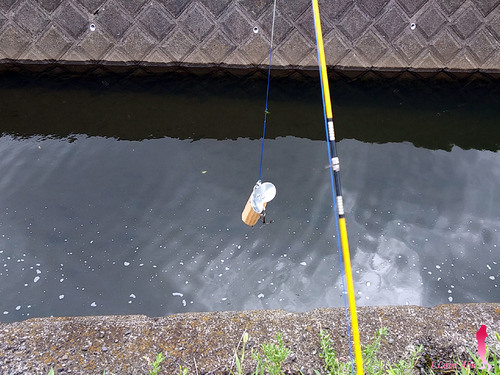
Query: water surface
[124,196]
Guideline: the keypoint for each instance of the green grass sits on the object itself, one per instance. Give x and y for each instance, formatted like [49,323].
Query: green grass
[238,360]
[269,359]
[156,364]
[273,357]
[374,366]
[371,363]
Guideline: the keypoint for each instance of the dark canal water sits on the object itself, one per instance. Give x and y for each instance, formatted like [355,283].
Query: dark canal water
[124,195]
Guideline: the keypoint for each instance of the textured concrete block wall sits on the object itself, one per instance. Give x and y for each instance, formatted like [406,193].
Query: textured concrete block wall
[363,34]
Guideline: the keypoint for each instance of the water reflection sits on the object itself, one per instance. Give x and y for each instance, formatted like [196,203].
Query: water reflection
[111,222]
[427,235]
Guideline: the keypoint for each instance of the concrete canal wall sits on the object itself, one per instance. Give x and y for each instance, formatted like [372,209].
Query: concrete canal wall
[205,342]
[425,36]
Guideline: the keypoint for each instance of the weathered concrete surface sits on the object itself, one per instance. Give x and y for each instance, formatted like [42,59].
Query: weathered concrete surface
[205,341]
[455,36]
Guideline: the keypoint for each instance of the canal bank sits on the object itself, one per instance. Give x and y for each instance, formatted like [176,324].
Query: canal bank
[388,37]
[205,342]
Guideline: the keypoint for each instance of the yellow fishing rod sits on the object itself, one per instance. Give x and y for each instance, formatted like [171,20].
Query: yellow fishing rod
[335,165]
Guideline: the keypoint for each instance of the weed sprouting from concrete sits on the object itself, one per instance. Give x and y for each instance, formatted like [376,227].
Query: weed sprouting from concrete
[269,359]
[156,363]
[372,364]
[274,356]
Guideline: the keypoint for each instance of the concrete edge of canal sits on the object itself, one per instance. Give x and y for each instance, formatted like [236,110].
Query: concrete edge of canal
[205,342]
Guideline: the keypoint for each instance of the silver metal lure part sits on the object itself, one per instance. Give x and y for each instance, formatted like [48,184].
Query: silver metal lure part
[262,193]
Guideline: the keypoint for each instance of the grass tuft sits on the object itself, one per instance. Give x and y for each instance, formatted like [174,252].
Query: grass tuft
[372,364]
[271,356]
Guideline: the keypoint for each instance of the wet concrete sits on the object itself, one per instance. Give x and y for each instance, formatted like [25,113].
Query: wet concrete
[205,342]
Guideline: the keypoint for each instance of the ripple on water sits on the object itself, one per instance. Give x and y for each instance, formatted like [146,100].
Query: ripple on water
[112,214]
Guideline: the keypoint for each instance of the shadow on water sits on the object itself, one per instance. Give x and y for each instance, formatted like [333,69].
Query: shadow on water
[427,113]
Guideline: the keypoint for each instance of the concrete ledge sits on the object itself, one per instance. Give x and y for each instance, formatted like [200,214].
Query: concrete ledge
[384,35]
[90,345]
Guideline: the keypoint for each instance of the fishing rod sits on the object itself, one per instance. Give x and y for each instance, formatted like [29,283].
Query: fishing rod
[336,188]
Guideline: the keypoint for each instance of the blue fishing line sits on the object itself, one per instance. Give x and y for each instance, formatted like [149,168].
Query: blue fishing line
[267,93]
